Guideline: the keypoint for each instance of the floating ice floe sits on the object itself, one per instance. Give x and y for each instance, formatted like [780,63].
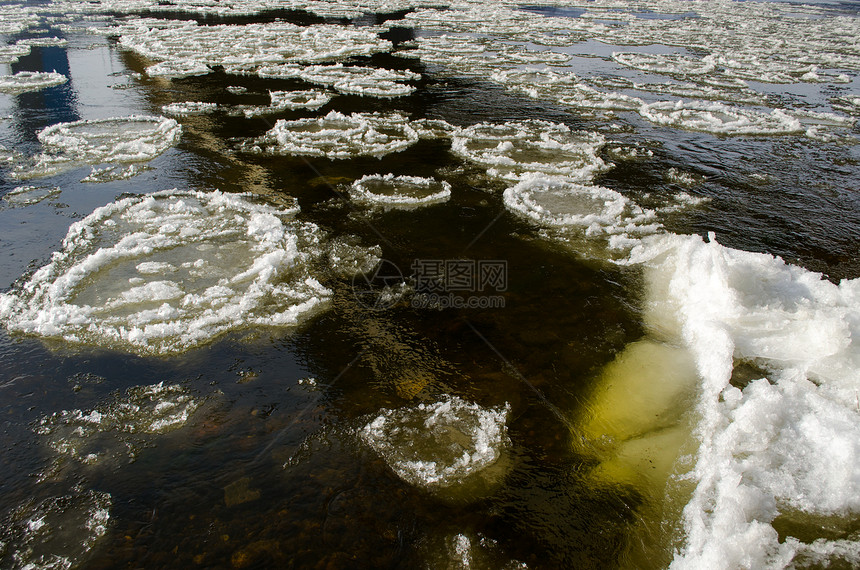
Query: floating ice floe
[511,149]
[46,41]
[847,104]
[55,533]
[11,54]
[439,445]
[250,46]
[25,81]
[165,272]
[113,173]
[186,108]
[311,99]
[178,68]
[777,472]
[673,64]
[338,136]
[117,139]
[719,118]
[374,82]
[562,202]
[111,428]
[29,195]
[399,191]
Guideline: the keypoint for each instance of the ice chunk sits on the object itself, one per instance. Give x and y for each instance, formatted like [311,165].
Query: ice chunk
[355,80]
[557,201]
[194,47]
[399,191]
[115,427]
[178,68]
[785,444]
[665,63]
[719,118]
[338,136]
[11,54]
[25,81]
[118,139]
[511,149]
[439,445]
[185,108]
[311,99]
[28,195]
[239,265]
[55,533]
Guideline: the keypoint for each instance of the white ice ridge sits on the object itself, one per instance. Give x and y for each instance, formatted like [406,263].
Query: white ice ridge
[168,271]
[25,81]
[355,80]
[562,202]
[192,48]
[186,108]
[338,136]
[439,444]
[55,533]
[111,428]
[399,191]
[118,139]
[511,149]
[310,99]
[784,448]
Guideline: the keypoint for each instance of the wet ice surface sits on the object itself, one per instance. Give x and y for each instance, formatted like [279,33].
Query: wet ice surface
[191,49]
[116,429]
[97,141]
[168,271]
[55,533]
[439,445]
[399,191]
[25,81]
[783,446]
[511,149]
[557,201]
[338,136]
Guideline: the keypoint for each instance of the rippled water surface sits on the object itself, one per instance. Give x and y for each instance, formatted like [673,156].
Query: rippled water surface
[398,285]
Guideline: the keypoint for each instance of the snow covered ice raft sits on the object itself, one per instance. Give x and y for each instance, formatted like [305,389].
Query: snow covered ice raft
[168,271]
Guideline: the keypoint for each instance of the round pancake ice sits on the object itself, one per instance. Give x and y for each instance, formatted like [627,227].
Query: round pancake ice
[441,445]
[399,191]
[165,272]
[338,136]
[511,149]
[136,138]
[25,81]
[557,201]
[719,118]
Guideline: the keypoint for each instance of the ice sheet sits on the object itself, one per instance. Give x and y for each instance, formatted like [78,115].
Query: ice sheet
[118,139]
[338,136]
[784,446]
[25,81]
[562,202]
[55,533]
[512,149]
[441,444]
[399,191]
[224,263]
